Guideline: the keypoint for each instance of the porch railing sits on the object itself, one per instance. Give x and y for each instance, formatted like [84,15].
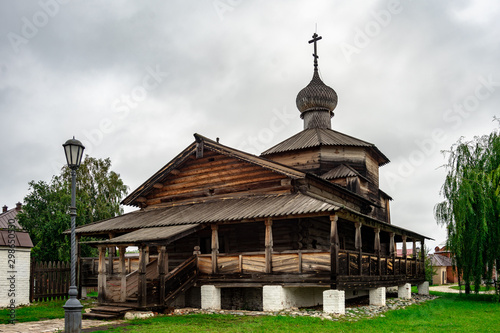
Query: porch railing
[311,261]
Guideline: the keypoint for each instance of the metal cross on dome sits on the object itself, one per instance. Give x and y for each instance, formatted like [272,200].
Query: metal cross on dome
[315,54]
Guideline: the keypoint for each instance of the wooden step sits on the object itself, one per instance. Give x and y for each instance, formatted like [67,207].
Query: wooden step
[104,316]
[111,309]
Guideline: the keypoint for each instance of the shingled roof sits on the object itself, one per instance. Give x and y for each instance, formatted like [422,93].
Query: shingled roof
[210,211]
[315,137]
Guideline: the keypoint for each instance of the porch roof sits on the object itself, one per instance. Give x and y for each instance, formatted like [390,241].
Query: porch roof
[150,235]
[211,211]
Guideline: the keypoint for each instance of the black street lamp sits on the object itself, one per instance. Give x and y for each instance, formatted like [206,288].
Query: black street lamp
[73,308]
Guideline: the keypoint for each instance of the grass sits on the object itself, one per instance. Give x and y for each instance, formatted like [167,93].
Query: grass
[449,313]
[39,311]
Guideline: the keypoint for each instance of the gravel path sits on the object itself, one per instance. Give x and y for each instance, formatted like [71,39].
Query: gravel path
[448,289]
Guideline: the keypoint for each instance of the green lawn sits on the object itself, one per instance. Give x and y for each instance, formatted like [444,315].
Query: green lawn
[449,313]
[39,311]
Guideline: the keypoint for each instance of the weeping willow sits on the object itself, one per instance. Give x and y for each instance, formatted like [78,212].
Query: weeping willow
[471,209]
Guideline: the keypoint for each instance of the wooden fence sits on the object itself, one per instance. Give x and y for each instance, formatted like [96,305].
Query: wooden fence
[49,280]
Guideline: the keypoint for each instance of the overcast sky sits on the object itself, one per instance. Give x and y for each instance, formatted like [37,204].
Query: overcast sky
[134,80]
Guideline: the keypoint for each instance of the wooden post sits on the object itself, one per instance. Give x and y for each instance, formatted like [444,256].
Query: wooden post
[111,256]
[414,256]
[215,247]
[101,278]
[334,251]
[359,247]
[269,245]
[142,283]
[405,254]
[392,252]
[123,274]
[377,250]
[161,271]
[422,256]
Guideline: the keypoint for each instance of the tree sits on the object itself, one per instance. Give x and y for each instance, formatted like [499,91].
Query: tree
[471,208]
[45,211]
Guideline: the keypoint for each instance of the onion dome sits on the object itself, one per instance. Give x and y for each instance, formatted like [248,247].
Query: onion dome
[316,96]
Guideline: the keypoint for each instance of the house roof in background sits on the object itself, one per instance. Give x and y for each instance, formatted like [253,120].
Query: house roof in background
[9,219]
[9,215]
[439,260]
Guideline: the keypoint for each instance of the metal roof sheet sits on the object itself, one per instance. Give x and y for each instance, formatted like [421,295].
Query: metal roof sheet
[9,215]
[150,234]
[314,137]
[439,260]
[224,209]
[341,171]
[21,238]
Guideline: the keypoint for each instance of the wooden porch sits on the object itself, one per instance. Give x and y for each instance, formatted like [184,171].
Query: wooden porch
[365,265]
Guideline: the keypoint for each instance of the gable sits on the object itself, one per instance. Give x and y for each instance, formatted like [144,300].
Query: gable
[206,168]
[213,175]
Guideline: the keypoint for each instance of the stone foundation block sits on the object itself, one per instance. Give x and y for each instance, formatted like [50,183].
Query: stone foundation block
[377,296]
[423,288]
[210,297]
[273,298]
[334,301]
[404,291]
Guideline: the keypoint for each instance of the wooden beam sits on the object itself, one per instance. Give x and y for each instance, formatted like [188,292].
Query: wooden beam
[111,255]
[199,149]
[269,244]
[142,292]
[162,270]
[215,247]
[123,274]
[334,251]
[158,185]
[359,246]
[392,251]
[377,250]
[101,278]
[405,253]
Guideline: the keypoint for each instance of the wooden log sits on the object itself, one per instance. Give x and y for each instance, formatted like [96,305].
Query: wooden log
[377,248]
[162,270]
[269,244]
[359,246]
[142,282]
[215,247]
[123,274]
[334,250]
[101,278]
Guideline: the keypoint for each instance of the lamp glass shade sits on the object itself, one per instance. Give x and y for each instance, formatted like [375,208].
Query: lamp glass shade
[74,152]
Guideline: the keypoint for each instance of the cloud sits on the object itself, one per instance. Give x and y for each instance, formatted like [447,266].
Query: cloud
[229,70]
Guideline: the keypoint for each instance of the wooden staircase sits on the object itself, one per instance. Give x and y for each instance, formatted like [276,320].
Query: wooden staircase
[180,279]
[175,283]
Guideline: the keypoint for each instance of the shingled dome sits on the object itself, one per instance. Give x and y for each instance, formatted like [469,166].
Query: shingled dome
[316,96]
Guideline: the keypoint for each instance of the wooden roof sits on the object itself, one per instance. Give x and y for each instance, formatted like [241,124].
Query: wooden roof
[315,137]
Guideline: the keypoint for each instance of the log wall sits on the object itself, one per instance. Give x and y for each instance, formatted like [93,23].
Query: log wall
[215,174]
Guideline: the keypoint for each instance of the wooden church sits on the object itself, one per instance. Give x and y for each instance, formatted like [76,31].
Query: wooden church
[303,224]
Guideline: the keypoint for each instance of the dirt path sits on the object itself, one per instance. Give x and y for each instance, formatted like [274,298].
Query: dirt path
[53,325]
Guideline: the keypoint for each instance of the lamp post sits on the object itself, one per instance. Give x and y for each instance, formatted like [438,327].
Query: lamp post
[73,308]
